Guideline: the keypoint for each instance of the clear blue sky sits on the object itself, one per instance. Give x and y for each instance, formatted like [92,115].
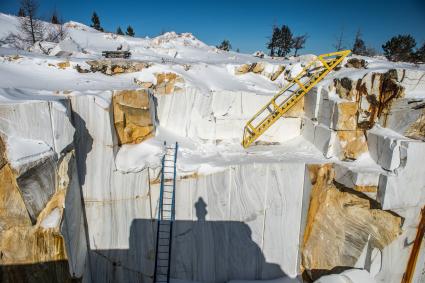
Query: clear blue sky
[247,24]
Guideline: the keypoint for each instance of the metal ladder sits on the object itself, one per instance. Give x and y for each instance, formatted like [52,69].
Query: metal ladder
[313,73]
[166,214]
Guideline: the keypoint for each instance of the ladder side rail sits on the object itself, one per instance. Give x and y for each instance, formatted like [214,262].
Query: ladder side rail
[169,252]
[161,190]
[156,251]
[173,201]
[173,213]
[159,216]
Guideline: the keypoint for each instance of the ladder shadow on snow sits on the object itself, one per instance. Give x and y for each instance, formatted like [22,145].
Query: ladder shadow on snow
[202,250]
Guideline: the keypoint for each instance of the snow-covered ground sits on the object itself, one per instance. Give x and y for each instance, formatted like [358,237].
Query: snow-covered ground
[36,76]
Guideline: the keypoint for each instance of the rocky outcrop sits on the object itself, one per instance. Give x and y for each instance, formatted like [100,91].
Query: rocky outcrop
[255,68]
[133,119]
[63,65]
[356,63]
[114,67]
[39,240]
[341,224]
[270,71]
[35,248]
[352,144]
[374,94]
[377,98]
[165,83]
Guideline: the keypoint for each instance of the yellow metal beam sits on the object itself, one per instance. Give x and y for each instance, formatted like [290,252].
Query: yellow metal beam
[273,111]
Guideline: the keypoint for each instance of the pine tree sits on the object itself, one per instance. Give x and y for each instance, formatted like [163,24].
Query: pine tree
[284,41]
[359,47]
[272,44]
[119,31]
[420,55]
[130,31]
[400,48]
[299,42]
[21,13]
[96,22]
[54,19]
[225,45]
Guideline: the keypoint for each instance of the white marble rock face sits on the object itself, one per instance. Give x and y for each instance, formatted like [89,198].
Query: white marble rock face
[245,222]
[322,137]
[403,113]
[218,115]
[229,225]
[39,135]
[405,186]
[350,177]
[241,225]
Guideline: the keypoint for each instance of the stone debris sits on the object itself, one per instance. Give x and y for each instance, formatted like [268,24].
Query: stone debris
[260,68]
[166,83]
[63,65]
[114,67]
[356,63]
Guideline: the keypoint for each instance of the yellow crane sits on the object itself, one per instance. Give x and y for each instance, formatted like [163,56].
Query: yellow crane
[310,75]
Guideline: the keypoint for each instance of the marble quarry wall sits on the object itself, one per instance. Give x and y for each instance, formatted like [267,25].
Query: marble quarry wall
[345,120]
[230,209]
[68,212]
[219,115]
[39,238]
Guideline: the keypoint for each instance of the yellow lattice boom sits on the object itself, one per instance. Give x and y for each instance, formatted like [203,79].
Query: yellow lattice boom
[288,96]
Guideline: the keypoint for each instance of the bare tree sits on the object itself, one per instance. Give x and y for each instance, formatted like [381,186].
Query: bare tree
[298,43]
[57,32]
[339,44]
[32,29]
